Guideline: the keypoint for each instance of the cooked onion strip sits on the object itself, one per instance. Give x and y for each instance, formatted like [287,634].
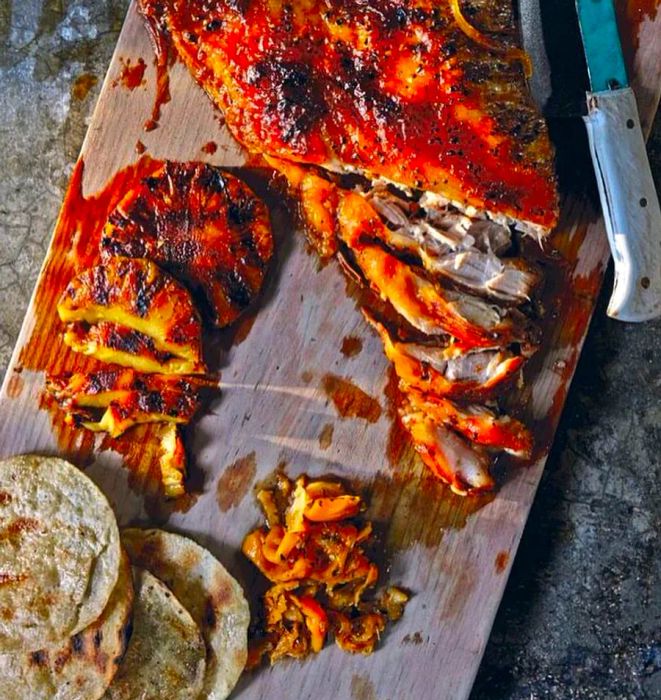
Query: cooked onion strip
[510,52]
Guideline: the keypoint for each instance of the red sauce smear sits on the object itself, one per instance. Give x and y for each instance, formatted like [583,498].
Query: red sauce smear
[350,400]
[131,76]
[163,59]
[210,147]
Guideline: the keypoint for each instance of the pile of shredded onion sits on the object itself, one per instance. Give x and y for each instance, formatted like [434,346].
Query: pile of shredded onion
[312,550]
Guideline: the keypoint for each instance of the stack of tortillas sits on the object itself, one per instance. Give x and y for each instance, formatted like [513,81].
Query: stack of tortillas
[77,622]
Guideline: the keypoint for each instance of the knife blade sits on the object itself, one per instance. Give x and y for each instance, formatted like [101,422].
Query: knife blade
[628,197]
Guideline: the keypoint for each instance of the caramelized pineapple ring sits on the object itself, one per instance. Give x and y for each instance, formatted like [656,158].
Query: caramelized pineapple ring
[202,225]
[115,344]
[172,461]
[137,295]
[129,398]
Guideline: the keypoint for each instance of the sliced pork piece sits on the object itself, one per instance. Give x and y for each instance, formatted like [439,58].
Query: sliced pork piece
[445,370]
[452,459]
[508,280]
[457,248]
[431,310]
[476,423]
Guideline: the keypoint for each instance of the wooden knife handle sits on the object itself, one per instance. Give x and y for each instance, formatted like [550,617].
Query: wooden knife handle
[629,202]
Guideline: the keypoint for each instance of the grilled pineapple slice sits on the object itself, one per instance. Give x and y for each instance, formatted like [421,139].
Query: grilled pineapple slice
[113,400]
[202,225]
[134,295]
[172,461]
[115,344]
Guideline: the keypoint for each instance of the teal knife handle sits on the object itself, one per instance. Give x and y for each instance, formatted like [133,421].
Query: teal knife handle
[629,202]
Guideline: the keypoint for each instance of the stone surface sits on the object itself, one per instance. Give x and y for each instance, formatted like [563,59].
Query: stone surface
[581,614]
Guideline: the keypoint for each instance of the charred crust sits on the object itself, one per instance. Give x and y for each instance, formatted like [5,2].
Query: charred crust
[77,644]
[39,658]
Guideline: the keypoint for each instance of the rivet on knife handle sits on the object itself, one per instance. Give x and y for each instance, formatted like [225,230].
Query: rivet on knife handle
[629,203]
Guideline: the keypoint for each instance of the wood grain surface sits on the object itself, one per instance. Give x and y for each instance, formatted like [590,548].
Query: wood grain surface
[454,554]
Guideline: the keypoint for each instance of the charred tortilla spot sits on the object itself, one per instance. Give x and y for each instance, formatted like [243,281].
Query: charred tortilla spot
[39,658]
[77,643]
[210,619]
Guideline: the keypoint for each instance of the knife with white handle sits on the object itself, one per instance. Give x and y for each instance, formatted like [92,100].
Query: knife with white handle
[626,188]
[629,203]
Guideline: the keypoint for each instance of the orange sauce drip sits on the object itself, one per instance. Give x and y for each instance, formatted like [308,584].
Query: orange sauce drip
[502,559]
[210,147]
[131,76]
[350,400]
[15,386]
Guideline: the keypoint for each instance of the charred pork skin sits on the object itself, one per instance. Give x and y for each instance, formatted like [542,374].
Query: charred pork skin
[202,225]
[389,89]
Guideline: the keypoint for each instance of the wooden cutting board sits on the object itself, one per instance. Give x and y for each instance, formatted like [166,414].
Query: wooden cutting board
[454,554]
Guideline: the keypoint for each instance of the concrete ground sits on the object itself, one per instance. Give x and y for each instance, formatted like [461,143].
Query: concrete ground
[581,617]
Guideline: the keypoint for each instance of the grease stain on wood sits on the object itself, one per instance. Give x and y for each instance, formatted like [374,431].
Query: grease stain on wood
[307,376]
[326,436]
[15,386]
[502,559]
[351,345]
[82,85]
[399,497]
[415,639]
[362,688]
[349,400]
[234,482]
